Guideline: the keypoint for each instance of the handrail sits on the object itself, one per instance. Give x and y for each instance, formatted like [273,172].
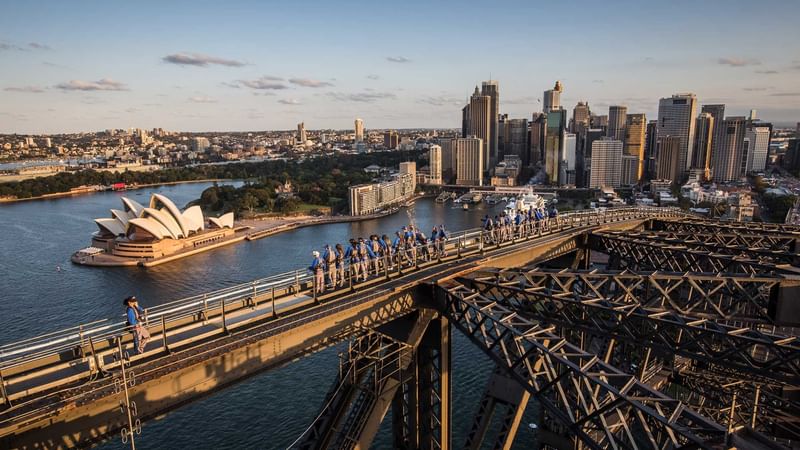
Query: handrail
[19,352]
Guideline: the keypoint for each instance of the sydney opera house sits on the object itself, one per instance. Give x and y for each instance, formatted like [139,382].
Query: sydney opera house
[158,230]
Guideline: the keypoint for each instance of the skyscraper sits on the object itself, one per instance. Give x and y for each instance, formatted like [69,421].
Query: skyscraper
[617,116]
[676,116]
[580,118]
[633,150]
[514,138]
[359,129]
[435,163]
[567,172]
[491,89]
[409,168]
[390,139]
[703,137]
[650,149]
[470,164]
[757,149]
[536,139]
[668,165]
[591,135]
[477,120]
[553,140]
[552,98]
[729,152]
[448,159]
[606,163]
[301,133]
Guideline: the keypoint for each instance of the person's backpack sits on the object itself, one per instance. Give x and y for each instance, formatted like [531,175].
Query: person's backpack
[331,256]
[376,247]
[362,249]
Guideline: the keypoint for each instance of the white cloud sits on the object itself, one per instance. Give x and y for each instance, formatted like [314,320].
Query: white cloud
[307,82]
[202,99]
[398,59]
[289,101]
[200,60]
[363,97]
[105,84]
[29,89]
[264,83]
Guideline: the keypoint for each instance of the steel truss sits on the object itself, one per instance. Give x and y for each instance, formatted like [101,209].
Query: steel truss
[624,317]
[645,254]
[403,365]
[749,239]
[503,395]
[738,403]
[715,245]
[600,405]
[695,225]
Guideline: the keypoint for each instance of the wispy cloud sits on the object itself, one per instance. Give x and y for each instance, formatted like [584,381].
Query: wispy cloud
[767,72]
[200,60]
[105,84]
[202,99]
[30,46]
[756,89]
[289,101]
[307,82]
[738,62]
[785,94]
[264,83]
[398,59]
[374,77]
[440,100]
[521,101]
[363,97]
[29,89]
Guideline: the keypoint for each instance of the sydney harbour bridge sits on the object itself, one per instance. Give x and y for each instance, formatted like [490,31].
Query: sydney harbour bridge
[629,328]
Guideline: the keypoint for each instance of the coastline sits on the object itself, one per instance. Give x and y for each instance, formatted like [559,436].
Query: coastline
[56,195]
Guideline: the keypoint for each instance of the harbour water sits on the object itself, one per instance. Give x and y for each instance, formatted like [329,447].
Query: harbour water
[41,291]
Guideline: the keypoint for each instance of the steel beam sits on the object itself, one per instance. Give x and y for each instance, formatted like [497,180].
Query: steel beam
[694,225]
[717,246]
[765,355]
[504,394]
[723,238]
[645,254]
[597,403]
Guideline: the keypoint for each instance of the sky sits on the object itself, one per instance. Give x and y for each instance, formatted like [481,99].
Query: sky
[261,65]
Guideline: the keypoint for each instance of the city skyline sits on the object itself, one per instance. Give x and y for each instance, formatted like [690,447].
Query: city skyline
[171,66]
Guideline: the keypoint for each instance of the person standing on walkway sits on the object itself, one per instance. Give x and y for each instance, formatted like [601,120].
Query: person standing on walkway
[351,255]
[134,313]
[317,268]
[340,264]
[330,264]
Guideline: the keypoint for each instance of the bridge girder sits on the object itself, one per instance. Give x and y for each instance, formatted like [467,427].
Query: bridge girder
[698,225]
[748,239]
[645,254]
[596,402]
[624,317]
[722,245]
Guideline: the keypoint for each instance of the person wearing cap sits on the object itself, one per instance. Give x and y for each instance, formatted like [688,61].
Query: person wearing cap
[317,268]
[339,253]
[134,313]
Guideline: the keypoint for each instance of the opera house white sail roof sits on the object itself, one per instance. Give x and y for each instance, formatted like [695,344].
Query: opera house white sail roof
[161,219]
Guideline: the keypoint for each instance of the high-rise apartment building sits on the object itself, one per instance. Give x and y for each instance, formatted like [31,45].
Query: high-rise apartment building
[359,130]
[448,159]
[591,135]
[491,89]
[703,137]
[617,117]
[567,172]
[757,148]
[606,170]
[553,140]
[676,117]
[729,159]
[514,136]
[435,163]
[470,163]
[635,128]
[390,139]
[668,163]
[477,120]
[410,168]
[552,98]
[301,133]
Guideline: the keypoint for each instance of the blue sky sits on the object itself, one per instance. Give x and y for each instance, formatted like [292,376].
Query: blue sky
[201,66]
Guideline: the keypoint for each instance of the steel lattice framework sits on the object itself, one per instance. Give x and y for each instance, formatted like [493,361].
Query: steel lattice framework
[697,225]
[723,238]
[623,316]
[600,404]
[640,253]
[713,245]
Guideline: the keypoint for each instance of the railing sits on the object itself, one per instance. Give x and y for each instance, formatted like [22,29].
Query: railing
[202,307]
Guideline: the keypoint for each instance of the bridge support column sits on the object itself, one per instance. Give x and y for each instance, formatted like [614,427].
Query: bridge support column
[501,392]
